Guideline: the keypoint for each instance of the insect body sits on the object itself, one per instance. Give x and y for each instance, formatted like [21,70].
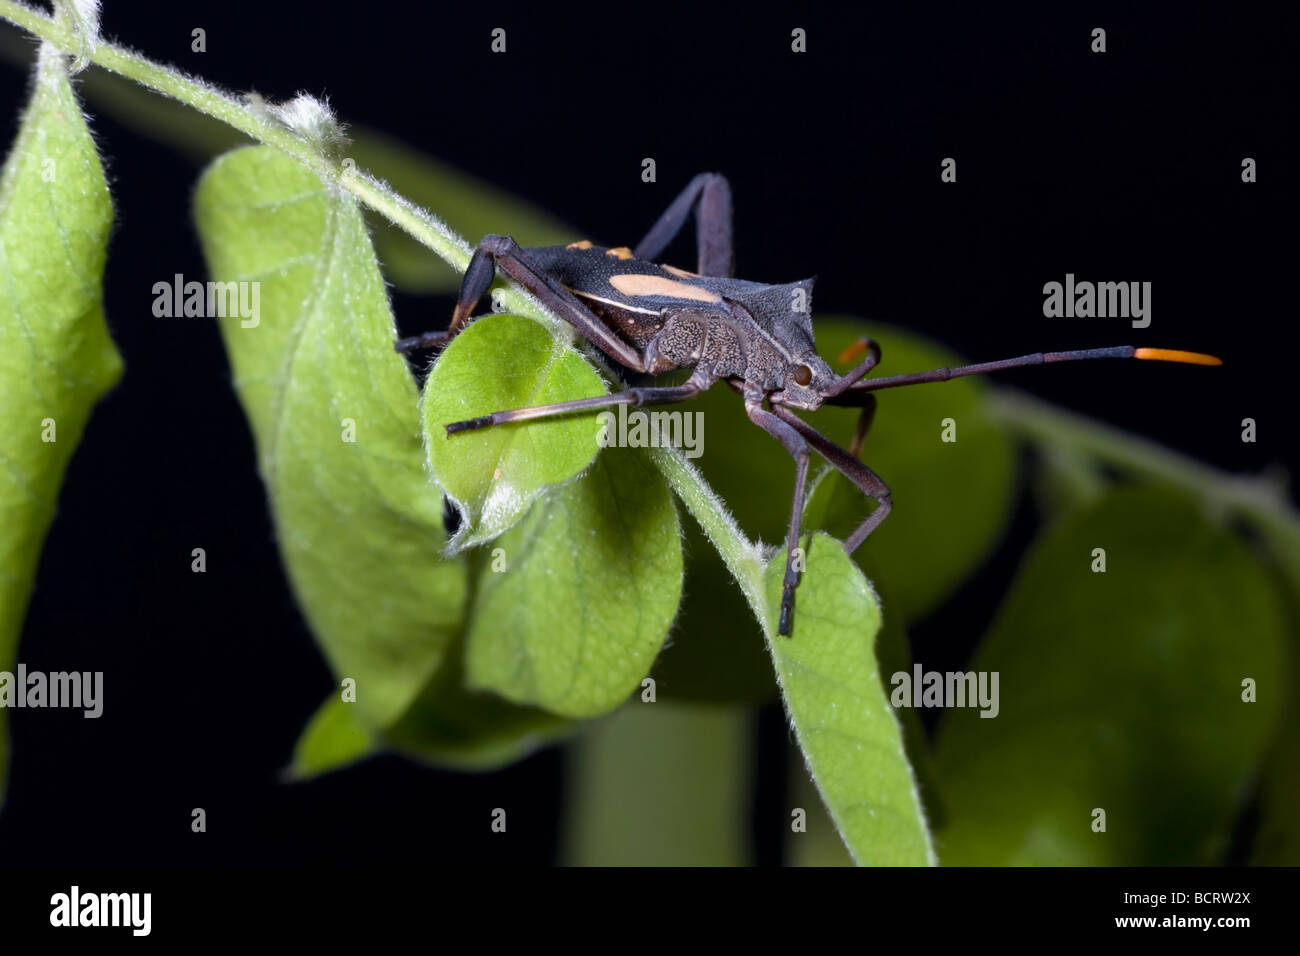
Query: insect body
[757,338]
[722,327]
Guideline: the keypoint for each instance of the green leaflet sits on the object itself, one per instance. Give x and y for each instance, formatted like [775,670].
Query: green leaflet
[333,738]
[455,726]
[468,205]
[500,363]
[817,843]
[447,726]
[334,413]
[717,653]
[846,726]
[1119,691]
[56,357]
[588,585]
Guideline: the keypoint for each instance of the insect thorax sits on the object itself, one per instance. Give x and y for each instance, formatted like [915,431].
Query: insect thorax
[721,345]
[728,328]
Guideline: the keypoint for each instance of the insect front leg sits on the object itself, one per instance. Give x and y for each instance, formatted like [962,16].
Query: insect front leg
[865,401]
[709,195]
[478,276]
[697,383]
[516,263]
[866,480]
[798,448]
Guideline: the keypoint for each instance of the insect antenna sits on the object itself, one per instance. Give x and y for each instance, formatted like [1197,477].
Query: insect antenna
[1036,358]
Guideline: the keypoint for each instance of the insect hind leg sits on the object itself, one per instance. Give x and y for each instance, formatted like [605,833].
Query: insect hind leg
[708,195]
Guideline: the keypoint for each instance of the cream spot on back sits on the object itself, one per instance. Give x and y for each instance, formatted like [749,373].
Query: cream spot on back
[639,285]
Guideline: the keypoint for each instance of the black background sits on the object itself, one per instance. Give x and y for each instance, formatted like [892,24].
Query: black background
[1119,166]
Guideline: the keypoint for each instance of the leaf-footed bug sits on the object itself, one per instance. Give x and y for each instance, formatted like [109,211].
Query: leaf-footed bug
[757,338]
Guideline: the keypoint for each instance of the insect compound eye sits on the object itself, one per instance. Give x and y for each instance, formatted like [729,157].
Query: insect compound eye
[803,375]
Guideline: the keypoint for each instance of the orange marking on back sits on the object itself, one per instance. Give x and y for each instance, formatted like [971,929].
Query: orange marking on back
[581,244]
[639,285]
[621,252]
[1176,355]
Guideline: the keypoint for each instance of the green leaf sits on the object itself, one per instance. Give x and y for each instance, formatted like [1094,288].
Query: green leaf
[334,413]
[1277,837]
[660,784]
[451,725]
[333,738]
[447,726]
[468,205]
[834,695]
[818,843]
[894,655]
[493,475]
[717,652]
[952,500]
[1119,690]
[56,357]
[591,582]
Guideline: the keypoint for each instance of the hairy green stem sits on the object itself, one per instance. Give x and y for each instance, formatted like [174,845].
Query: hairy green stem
[423,226]
[743,558]
[1260,500]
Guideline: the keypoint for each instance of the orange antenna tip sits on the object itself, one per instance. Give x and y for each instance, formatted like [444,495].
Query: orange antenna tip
[1175,355]
[853,351]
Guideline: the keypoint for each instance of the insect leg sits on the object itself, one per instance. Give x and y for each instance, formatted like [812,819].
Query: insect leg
[632,396]
[798,448]
[866,480]
[865,401]
[478,276]
[872,359]
[515,262]
[709,195]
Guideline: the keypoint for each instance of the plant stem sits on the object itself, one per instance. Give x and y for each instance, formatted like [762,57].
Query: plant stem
[1260,500]
[743,558]
[422,225]
[632,770]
